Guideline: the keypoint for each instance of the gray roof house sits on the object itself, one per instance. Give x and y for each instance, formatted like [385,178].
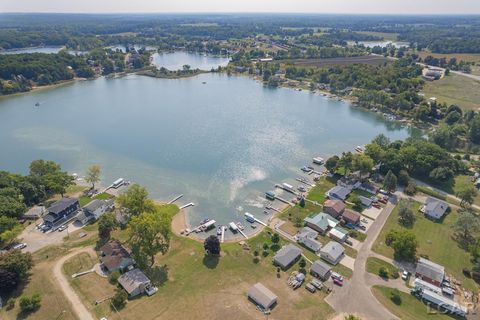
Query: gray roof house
[311,244]
[262,296]
[430,272]
[332,252]
[287,256]
[307,232]
[338,192]
[320,270]
[434,208]
[94,210]
[367,202]
[61,211]
[134,282]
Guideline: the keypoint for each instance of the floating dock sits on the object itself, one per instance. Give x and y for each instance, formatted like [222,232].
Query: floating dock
[234,228]
[291,190]
[251,218]
[175,199]
[304,181]
[191,204]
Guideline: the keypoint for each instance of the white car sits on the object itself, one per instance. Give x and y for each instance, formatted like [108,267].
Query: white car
[405,275]
[61,228]
[20,246]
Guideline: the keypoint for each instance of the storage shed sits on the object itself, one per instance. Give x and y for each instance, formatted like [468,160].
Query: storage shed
[262,296]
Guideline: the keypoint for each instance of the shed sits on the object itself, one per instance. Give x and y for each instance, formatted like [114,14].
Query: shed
[287,256]
[430,272]
[262,296]
[134,282]
[321,270]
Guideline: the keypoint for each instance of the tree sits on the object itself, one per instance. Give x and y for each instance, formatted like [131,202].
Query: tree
[11,207]
[390,181]
[406,217]
[275,238]
[404,244]
[474,133]
[302,202]
[383,272]
[411,188]
[93,175]
[403,178]
[382,141]
[41,168]
[465,227]
[357,203]
[8,281]
[396,297]
[135,201]
[106,224]
[351,317]
[149,234]
[29,304]
[346,161]
[332,164]
[9,229]
[119,300]
[362,163]
[467,194]
[212,245]
[16,261]
[57,182]
[441,174]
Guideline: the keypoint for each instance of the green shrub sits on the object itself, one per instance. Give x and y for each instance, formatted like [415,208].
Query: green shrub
[383,272]
[119,300]
[29,304]
[10,304]
[395,297]
[113,279]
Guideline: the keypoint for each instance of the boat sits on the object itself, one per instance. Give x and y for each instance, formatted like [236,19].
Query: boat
[302,189]
[249,217]
[204,221]
[318,160]
[233,226]
[204,82]
[37,104]
[219,230]
[359,149]
[305,169]
[240,226]
[253,226]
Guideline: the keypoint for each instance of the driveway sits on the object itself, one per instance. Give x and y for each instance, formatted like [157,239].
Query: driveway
[356,296]
[348,262]
[77,304]
[371,213]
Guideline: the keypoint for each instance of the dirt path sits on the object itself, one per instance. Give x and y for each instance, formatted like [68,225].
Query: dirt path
[77,304]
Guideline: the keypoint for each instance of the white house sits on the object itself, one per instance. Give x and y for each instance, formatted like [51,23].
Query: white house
[434,208]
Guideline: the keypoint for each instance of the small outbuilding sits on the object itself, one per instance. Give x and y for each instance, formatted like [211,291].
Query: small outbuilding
[134,282]
[321,270]
[287,256]
[262,296]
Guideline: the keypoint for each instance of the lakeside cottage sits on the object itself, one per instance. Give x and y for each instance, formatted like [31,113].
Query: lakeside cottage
[115,257]
[94,210]
[334,208]
[338,192]
[322,222]
[135,282]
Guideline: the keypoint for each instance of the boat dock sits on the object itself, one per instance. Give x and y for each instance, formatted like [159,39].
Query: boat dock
[284,201]
[191,204]
[261,222]
[286,189]
[272,208]
[304,181]
[243,234]
[175,199]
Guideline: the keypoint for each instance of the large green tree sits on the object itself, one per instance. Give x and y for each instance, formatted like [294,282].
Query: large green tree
[404,244]
[390,182]
[93,174]
[135,201]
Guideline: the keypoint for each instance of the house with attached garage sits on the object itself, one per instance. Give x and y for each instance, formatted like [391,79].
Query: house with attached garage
[434,208]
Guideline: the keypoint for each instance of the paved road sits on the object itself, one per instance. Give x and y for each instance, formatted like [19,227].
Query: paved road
[356,296]
[77,304]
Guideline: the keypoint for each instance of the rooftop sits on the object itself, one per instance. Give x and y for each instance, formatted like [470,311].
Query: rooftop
[320,268]
[61,205]
[430,269]
[287,254]
[262,295]
[322,220]
[132,279]
[333,249]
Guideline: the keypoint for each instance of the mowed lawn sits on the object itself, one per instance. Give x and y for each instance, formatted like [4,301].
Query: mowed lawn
[202,288]
[455,89]
[375,264]
[435,240]
[410,307]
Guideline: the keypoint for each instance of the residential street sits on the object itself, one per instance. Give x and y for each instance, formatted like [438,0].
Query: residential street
[356,296]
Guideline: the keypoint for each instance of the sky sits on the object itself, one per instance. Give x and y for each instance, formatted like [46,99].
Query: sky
[294,6]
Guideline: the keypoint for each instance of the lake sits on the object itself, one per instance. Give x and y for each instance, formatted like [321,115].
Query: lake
[383,44]
[32,50]
[176,60]
[222,144]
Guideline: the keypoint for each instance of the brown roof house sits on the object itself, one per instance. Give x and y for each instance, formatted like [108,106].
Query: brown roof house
[350,216]
[334,208]
[114,256]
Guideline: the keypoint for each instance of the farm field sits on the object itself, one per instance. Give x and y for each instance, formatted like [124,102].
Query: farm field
[320,63]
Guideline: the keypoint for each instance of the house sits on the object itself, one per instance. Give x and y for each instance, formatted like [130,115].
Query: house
[310,243]
[34,212]
[367,202]
[338,234]
[338,192]
[430,272]
[262,296]
[61,211]
[322,222]
[334,208]
[94,210]
[307,232]
[287,256]
[444,303]
[114,256]
[321,270]
[349,182]
[332,252]
[351,217]
[134,282]
[434,208]
[367,186]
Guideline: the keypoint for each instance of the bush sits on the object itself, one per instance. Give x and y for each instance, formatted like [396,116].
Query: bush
[467,273]
[265,246]
[256,260]
[265,253]
[114,277]
[10,304]
[29,304]
[395,297]
[383,272]
[119,300]
[411,188]
[255,253]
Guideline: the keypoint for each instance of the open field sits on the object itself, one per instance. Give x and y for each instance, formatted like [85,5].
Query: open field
[410,307]
[320,63]
[375,264]
[385,35]
[204,287]
[435,240]
[455,89]
[79,263]
[469,57]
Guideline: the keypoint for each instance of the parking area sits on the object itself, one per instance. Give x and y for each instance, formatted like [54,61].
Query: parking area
[371,212]
[348,262]
[366,222]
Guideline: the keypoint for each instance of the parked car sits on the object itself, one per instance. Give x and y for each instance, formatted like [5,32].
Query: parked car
[405,275]
[310,287]
[376,205]
[350,243]
[20,246]
[338,282]
[361,226]
[337,276]
[61,228]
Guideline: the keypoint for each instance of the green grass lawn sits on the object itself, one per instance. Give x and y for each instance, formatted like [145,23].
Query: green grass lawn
[455,89]
[79,263]
[410,307]
[84,200]
[435,241]
[296,214]
[387,36]
[374,264]
[317,193]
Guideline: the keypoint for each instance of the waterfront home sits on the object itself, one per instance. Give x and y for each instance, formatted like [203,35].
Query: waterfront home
[334,208]
[321,222]
[61,211]
[430,272]
[135,282]
[115,257]
[351,217]
[350,182]
[262,296]
[287,256]
[310,243]
[338,192]
[434,208]
[321,270]
[94,210]
[332,252]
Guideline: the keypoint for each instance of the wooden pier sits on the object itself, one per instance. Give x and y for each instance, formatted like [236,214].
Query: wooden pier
[261,222]
[284,201]
[243,234]
[305,182]
[175,199]
[272,208]
[191,204]
[286,189]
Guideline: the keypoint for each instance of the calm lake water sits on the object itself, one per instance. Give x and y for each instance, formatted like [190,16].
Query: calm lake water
[222,144]
[33,50]
[176,60]
[383,44]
